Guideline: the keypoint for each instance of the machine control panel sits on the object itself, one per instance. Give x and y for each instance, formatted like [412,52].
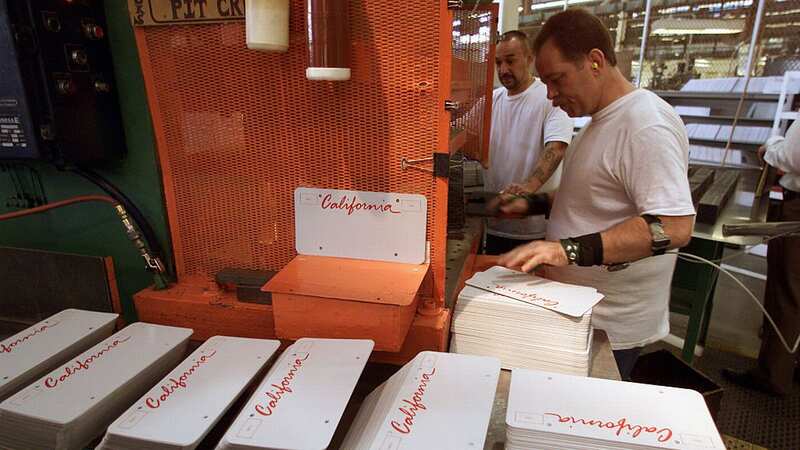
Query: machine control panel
[17,139]
[58,99]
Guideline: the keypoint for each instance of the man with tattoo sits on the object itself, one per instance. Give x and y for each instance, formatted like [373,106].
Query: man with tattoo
[624,198]
[528,139]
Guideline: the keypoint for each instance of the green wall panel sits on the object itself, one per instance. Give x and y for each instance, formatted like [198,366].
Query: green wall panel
[93,228]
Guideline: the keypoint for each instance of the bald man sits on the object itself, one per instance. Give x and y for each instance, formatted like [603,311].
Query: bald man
[528,139]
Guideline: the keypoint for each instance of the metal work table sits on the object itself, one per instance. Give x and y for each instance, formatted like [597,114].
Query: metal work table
[742,207]
[694,284]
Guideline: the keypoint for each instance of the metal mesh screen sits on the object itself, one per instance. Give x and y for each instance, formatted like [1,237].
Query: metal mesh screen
[239,130]
[474,31]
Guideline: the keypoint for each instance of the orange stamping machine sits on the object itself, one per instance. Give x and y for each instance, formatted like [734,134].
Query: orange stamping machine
[242,135]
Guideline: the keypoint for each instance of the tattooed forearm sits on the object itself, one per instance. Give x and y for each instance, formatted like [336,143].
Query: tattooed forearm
[547,164]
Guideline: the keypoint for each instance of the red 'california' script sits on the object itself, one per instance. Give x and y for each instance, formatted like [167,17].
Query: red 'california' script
[411,407]
[7,348]
[281,389]
[180,383]
[353,204]
[84,364]
[621,425]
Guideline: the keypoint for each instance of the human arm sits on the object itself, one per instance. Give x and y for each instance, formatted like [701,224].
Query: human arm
[652,173]
[784,153]
[625,242]
[545,167]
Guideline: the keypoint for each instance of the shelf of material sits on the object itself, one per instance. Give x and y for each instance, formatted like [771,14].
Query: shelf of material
[724,120]
[667,95]
[734,145]
[743,207]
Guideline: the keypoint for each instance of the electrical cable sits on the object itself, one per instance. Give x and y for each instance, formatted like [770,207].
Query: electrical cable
[19,189]
[790,349]
[153,262]
[139,218]
[58,204]
[36,183]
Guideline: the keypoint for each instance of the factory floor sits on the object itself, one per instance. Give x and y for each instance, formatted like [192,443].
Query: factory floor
[750,416]
[733,341]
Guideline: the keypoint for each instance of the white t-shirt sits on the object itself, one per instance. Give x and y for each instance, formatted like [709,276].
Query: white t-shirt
[631,159]
[521,125]
[784,154]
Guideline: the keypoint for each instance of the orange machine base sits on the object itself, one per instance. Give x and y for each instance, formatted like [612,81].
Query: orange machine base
[210,311]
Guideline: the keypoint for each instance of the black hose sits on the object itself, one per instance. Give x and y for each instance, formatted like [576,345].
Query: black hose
[136,214]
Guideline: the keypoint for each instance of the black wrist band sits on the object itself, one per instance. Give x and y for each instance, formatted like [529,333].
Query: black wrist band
[591,253]
[538,204]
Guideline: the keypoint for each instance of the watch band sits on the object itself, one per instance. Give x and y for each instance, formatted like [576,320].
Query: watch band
[650,219]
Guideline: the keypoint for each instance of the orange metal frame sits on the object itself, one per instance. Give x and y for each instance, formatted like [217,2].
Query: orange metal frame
[487,111]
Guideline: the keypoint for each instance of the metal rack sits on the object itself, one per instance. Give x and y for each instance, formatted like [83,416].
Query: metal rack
[693,287]
[712,129]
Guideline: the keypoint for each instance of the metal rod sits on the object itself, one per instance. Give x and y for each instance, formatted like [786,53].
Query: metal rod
[754,37]
[760,229]
[748,69]
[645,32]
[409,164]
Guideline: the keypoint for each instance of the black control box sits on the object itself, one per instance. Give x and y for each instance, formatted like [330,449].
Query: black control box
[58,99]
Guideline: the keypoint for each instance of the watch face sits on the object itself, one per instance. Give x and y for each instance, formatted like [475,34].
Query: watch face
[657,230]
[660,239]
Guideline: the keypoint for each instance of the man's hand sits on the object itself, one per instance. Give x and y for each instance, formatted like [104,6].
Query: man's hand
[534,254]
[508,205]
[761,151]
[516,189]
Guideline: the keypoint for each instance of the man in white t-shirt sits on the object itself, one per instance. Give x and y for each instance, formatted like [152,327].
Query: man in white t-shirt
[624,195]
[528,139]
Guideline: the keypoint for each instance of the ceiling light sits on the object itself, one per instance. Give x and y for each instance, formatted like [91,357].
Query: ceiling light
[674,27]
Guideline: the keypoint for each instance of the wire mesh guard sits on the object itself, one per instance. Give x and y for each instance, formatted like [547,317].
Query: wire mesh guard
[472,66]
[239,130]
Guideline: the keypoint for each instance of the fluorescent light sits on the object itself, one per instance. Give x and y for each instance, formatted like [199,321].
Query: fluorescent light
[557,4]
[674,27]
[678,31]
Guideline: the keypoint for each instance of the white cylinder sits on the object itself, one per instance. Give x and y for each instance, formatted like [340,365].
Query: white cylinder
[328,73]
[267,25]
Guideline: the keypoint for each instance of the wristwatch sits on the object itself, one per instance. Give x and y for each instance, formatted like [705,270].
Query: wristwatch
[661,240]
